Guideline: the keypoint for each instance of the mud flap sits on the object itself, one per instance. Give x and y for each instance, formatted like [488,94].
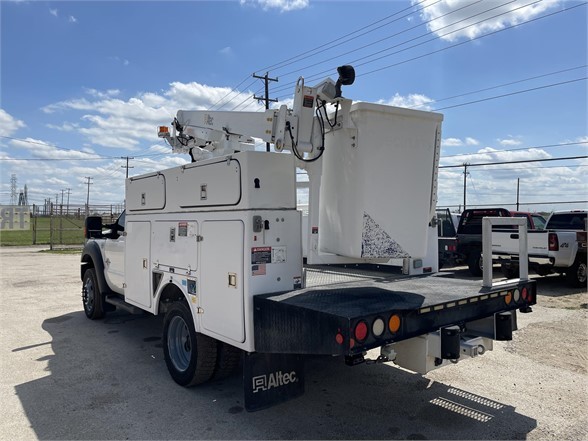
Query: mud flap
[270,379]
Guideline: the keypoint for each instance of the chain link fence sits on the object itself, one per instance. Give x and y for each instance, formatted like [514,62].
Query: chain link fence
[59,225]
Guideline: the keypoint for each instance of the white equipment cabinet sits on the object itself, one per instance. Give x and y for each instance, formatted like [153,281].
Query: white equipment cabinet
[222,230]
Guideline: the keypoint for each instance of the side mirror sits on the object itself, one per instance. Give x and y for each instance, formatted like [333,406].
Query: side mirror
[93,227]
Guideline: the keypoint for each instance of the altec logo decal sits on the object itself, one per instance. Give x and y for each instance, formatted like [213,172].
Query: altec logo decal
[275,379]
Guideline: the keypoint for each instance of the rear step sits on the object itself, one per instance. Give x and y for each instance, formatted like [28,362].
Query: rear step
[120,303]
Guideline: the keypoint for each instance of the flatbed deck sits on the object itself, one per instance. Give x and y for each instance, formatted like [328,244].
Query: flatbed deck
[336,299]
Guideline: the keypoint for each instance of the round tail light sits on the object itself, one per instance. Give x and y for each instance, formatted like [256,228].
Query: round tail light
[361,331]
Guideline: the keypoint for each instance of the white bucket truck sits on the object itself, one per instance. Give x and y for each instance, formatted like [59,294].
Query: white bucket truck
[216,246]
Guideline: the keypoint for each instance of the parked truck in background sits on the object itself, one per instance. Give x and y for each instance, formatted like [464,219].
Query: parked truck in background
[559,248]
[215,246]
[447,236]
[469,233]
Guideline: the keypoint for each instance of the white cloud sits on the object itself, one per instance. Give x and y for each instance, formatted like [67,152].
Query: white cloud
[451,142]
[510,142]
[8,124]
[102,93]
[53,12]
[65,127]
[72,19]
[226,51]
[43,150]
[412,101]
[110,121]
[456,142]
[281,5]
[473,19]
[120,60]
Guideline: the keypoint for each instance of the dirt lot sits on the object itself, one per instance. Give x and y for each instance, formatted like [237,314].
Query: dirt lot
[66,377]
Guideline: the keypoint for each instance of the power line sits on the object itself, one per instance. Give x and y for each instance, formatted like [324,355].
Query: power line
[415,38]
[319,74]
[518,92]
[514,204]
[470,40]
[525,161]
[337,40]
[499,85]
[442,49]
[518,149]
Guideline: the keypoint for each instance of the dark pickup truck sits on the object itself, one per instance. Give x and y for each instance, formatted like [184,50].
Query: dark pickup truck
[469,233]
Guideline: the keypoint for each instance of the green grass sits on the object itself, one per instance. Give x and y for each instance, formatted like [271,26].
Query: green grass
[72,233]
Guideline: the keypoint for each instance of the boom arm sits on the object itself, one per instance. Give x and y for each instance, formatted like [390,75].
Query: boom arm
[205,134]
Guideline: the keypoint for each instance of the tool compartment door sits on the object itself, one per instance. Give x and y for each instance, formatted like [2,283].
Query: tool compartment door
[137,264]
[222,283]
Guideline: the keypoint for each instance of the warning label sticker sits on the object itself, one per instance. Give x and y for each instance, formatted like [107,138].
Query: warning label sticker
[260,255]
[183,229]
[258,270]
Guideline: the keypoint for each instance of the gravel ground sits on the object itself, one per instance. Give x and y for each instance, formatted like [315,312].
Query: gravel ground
[66,377]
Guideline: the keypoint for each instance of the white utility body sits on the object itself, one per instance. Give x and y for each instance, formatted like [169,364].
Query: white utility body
[216,245]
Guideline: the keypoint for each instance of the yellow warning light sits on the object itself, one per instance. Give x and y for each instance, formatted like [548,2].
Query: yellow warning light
[163,129]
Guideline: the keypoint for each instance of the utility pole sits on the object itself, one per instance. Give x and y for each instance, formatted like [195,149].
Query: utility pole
[88,197]
[465,174]
[266,98]
[68,192]
[518,186]
[127,166]
[61,206]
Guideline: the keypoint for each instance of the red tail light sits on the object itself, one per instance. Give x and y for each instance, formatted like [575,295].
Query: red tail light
[361,331]
[525,294]
[553,242]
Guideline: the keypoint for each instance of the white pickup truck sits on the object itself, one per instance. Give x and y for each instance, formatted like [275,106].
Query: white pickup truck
[560,248]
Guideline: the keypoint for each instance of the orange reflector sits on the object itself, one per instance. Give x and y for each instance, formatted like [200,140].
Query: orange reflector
[508,298]
[339,338]
[361,331]
[394,323]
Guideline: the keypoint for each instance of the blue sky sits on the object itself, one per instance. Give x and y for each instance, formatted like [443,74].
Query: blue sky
[84,83]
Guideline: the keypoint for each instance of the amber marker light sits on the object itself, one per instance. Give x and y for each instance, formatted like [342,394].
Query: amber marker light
[394,323]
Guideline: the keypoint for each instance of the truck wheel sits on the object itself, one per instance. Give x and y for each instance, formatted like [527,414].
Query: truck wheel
[576,274]
[509,271]
[227,361]
[190,356]
[475,263]
[91,297]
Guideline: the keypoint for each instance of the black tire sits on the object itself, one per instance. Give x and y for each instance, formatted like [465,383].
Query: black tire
[510,271]
[92,298]
[475,263]
[227,361]
[190,356]
[576,274]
